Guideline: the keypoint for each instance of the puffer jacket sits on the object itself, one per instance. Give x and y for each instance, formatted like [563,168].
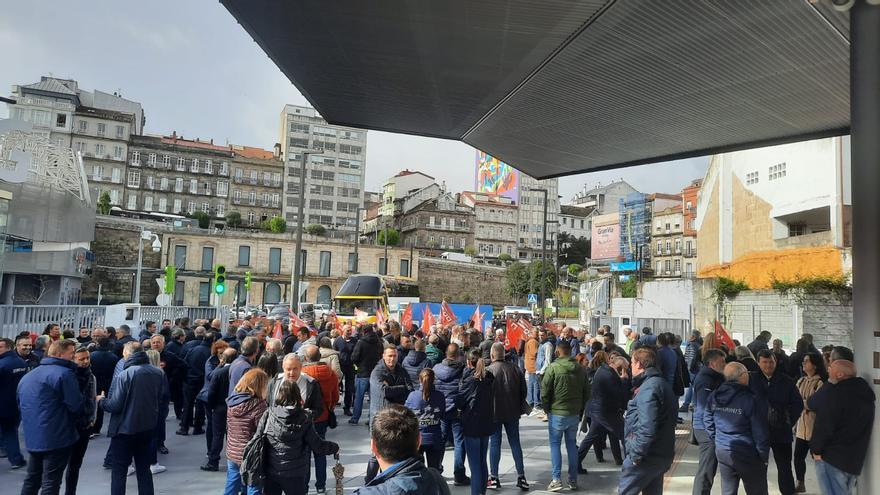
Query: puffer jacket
[807,386]
[367,352]
[706,382]
[243,414]
[50,402]
[435,354]
[477,403]
[509,386]
[409,477]
[565,389]
[329,385]
[447,376]
[414,363]
[388,386]
[12,369]
[650,420]
[290,435]
[736,420]
[331,359]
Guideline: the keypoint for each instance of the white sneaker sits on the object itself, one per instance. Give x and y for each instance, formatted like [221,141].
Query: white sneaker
[157,468]
[131,470]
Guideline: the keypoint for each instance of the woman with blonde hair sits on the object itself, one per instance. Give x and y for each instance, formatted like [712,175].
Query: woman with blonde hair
[246,405]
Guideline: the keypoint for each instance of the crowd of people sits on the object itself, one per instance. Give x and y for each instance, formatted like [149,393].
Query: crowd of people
[269,397]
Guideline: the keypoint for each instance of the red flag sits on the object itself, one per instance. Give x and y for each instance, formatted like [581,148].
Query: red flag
[447,317]
[360,315]
[380,315]
[406,318]
[295,322]
[477,318]
[427,319]
[722,337]
[515,332]
[278,334]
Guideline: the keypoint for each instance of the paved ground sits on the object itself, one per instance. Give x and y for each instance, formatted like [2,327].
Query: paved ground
[187,453]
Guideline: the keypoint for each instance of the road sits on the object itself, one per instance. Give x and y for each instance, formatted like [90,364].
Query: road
[187,453]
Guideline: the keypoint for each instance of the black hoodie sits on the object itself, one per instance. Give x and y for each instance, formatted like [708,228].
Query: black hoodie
[367,352]
[843,425]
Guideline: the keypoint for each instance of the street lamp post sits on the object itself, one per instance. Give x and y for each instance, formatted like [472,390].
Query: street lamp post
[144,235]
[543,253]
[357,237]
[297,253]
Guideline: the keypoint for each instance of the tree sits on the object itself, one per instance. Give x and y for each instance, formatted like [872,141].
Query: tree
[470,251]
[574,269]
[393,237]
[517,275]
[629,288]
[575,250]
[203,218]
[535,273]
[505,258]
[233,219]
[314,229]
[277,225]
[104,203]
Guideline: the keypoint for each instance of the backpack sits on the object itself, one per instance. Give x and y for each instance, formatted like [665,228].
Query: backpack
[253,458]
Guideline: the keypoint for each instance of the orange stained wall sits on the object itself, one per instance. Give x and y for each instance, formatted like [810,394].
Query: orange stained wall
[758,269]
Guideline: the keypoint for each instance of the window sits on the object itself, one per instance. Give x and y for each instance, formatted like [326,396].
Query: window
[276,200]
[224,168]
[180,257]
[102,128]
[324,265]
[193,186]
[61,120]
[659,247]
[222,188]
[179,287]
[272,293]
[252,198]
[677,266]
[166,161]
[206,207]
[752,178]
[324,296]
[355,136]
[319,204]
[404,268]
[151,159]
[274,261]
[244,256]
[276,179]
[163,205]
[194,166]
[83,126]
[178,184]
[135,158]
[297,127]
[796,229]
[349,178]
[221,210]
[668,247]
[659,267]
[238,173]
[383,270]
[163,183]
[204,293]
[299,142]
[323,175]
[267,178]
[99,149]
[776,171]
[134,178]
[678,246]
[349,149]
[181,164]
[352,262]
[253,176]
[352,164]
[207,259]
[117,152]
[209,167]
[207,189]
[689,268]
[190,207]
[97,172]
[236,196]
[132,201]
[120,131]
[177,206]
[687,247]
[250,217]
[667,265]
[150,181]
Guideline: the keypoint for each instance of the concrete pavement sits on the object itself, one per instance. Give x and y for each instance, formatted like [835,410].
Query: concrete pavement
[188,453]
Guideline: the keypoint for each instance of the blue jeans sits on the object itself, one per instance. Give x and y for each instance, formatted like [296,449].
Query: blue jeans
[566,426]
[320,461]
[689,394]
[361,385]
[833,481]
[476,448]
[512,429]
[452,429]
[533,390]
[233,481]
[9,440]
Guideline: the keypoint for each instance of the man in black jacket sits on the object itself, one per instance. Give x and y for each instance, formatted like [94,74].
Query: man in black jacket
[605,410]
[195,379]
[123,336]
[24,347]
[842,431]
[366,354]
[218,385]
[344,345]
[509,388]
[175,374]
[709,378]
[103,361]
[448,376]
[389,384]
[785,406]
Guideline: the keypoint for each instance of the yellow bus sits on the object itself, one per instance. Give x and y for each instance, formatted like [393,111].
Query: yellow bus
[367,293]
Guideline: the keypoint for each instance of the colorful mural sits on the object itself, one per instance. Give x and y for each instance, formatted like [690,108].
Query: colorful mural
[497,177]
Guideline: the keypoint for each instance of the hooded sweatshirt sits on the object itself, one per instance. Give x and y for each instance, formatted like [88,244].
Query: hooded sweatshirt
[736,419]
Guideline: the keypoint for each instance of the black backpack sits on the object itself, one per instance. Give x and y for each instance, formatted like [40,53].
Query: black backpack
[253,459]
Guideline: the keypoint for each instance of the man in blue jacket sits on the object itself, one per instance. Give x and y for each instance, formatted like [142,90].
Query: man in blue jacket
[103,363]
[448,376]
[667,360]
[195,358]
[709,378]
[134,408]
[12,369]
[785,407]
[649,428]
[50,403]
[736,420]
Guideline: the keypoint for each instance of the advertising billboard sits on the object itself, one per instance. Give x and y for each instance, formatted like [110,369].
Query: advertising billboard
[496,177]
[605,242]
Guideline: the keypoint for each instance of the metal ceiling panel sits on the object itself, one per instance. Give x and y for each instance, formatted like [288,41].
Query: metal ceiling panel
[560,87]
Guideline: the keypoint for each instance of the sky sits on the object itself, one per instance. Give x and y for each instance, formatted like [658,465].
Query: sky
[197,72]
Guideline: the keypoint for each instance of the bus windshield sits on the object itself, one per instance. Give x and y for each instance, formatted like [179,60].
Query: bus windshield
[346,307]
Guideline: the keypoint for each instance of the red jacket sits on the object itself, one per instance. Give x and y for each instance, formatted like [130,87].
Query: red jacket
[329,383]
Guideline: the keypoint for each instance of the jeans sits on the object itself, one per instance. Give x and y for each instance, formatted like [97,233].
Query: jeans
[125,448]
[9,440]
[476,448]
[320,461]
[708,466]
[689,394]
[512,429]
[801,451]
[218,430]
[533,390]
[348,381]
[782,456]
[567,427]
[833,481]
[361,386]
[452,429]
[77,452]
[645,478]
[233,481]
[44,472]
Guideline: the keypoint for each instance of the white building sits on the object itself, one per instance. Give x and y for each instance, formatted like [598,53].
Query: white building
[531,216]
[400,186]
[334,182]
[605,199]
[577,221]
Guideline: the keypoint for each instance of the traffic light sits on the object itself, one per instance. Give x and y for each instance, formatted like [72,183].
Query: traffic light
[220,279]
[247,280]
[170,275]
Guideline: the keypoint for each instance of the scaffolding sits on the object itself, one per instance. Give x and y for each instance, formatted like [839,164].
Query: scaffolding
[635,228]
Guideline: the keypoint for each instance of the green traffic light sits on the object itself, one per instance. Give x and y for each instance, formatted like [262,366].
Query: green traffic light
[219,289]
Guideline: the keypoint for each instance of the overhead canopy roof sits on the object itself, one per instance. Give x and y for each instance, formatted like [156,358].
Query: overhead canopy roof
[559,87]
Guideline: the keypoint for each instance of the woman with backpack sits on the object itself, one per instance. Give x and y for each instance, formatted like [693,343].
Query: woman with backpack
[246,405]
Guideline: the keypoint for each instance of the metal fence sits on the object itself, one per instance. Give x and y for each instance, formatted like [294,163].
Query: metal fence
[18,318]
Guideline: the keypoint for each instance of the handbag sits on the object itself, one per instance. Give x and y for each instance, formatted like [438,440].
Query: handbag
[253,459]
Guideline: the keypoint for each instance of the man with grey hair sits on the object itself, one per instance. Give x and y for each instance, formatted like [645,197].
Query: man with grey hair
[309,388]
[736,420]
[41,346]
[250,347]
[123,336]
[509,389]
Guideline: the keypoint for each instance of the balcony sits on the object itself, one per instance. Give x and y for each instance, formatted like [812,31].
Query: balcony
[267,183]
[276,183]
[236,201]
[253,181]
[135,162]
[237,179]
[133,185]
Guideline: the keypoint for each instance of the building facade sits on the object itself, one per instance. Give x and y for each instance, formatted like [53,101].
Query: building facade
[776,212]
[102,137]
[689,198]
[256,185]
[577,221]
[334,180]
[400,186]
[170,174]
[437,225]
[495,223]
[531,217]
[667,237]
[604,199]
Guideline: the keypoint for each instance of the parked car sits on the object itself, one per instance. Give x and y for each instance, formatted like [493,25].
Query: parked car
[320,310]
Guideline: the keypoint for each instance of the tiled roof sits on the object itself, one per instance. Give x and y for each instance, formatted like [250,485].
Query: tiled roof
[252,152]
[206,145]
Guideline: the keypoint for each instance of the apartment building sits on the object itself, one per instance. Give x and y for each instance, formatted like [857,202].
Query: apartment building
[101,136]
[495,223]
[256,183]
[667,236]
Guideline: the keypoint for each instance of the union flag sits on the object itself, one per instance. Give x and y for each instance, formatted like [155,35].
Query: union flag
[447,317]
